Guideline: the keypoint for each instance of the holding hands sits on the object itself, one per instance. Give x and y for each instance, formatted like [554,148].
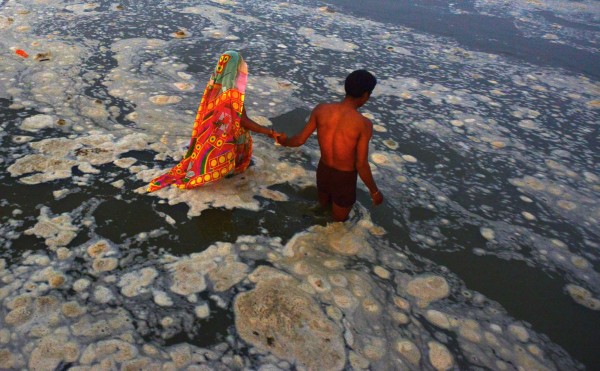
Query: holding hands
[273,134]
[280,139]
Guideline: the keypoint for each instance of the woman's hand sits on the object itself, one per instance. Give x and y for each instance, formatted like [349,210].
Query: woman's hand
[280,139]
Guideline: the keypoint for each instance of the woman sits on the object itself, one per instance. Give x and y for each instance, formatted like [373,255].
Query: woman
[221,143]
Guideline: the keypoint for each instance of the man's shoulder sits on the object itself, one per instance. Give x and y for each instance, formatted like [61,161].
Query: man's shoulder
[324,107]
[366,122]
[361,120]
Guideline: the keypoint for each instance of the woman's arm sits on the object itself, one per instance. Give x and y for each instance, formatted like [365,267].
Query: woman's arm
[249,124]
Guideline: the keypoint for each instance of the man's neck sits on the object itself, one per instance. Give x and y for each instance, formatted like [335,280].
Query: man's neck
[355,103]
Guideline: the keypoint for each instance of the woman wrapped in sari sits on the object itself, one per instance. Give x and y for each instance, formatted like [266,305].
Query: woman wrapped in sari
[221,143]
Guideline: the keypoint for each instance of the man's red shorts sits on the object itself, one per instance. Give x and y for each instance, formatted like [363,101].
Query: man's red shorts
[339,185]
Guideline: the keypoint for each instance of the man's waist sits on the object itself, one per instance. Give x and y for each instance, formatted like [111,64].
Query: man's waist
[336,168]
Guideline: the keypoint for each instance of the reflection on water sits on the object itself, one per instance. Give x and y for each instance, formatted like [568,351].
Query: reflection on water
[485,253]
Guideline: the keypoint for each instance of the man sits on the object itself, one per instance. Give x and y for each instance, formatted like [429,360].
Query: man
[343,135]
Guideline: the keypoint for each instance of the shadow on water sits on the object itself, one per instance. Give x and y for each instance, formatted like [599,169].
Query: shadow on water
[291,122]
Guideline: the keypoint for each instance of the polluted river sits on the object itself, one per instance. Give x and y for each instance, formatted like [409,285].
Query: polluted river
[484,254]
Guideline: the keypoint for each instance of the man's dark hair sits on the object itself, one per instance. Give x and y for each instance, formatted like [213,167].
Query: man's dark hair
[359,82]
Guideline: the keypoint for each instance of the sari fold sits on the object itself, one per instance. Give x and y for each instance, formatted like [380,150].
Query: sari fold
[219,145]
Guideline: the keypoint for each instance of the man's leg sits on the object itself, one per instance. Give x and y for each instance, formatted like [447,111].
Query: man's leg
[324,198]
[340,213]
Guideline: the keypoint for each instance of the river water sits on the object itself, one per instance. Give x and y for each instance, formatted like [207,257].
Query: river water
[484,254]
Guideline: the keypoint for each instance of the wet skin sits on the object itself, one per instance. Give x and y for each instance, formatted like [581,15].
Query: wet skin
[343,135]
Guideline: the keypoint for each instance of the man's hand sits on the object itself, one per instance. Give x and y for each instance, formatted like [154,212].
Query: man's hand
[280,138]
[377,197]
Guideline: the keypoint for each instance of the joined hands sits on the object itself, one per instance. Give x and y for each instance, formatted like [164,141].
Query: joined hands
[279,137]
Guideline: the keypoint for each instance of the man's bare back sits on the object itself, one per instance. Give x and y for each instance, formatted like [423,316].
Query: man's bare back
[339,129]
[343,135]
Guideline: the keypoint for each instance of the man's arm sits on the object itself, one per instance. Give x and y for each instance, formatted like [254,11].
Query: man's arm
[362,163]
[300,138]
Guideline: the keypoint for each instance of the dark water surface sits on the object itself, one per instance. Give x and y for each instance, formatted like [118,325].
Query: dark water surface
[561,319]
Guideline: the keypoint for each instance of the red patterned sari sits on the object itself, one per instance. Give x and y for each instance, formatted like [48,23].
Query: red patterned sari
[219,144]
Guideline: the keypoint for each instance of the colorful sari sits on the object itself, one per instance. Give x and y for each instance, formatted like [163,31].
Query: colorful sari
[219,144]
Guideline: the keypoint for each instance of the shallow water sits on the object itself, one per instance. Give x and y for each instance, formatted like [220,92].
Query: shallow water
[484,254]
